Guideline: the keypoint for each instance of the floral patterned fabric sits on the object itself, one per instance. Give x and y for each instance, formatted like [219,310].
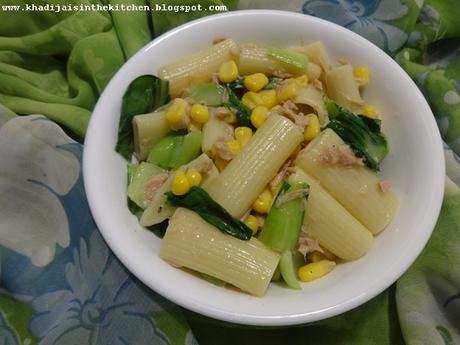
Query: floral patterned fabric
[367,18]
[57,273]
[60,283]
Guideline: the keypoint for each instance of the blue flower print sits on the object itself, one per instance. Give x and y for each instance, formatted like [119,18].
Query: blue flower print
[102,305]
[367,18]
[35,172]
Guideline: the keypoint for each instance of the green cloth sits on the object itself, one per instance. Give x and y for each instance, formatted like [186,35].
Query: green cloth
[428,293]
[57,64]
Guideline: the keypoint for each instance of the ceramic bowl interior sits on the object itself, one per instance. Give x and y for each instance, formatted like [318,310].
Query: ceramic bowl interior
[415,168]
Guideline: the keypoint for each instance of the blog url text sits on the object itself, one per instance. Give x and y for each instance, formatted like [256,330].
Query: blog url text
[56,8]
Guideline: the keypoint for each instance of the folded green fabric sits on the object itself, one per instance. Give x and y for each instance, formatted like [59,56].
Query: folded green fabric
[428,294]
[57,64]
[60,70]
[439,81]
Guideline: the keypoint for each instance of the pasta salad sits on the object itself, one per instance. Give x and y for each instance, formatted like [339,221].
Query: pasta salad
[256,164]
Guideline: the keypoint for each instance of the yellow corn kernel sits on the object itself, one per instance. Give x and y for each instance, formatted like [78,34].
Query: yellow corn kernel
[233,146]
[370,111]
[243,135]
[251,99]
[228,71]
[220,163]
[252,223]
[268,98]
[315,256]
[194,177]
[255,82]
[231,118]
[199,113]
[180,184]
[301,81]
[313,128]
[263,202]
[315,270]
[361,73]
[176,111]
[258,116]
[286,92]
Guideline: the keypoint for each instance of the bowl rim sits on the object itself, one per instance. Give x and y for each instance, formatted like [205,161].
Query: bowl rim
[250,319]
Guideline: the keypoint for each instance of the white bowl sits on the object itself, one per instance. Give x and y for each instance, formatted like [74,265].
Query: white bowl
[415,167]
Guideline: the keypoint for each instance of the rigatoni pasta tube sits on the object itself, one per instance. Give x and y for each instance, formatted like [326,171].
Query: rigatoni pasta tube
[248,173]
[148,130]
[311,96]
[193,243]
[343,88]
[316,52]
[256,60]
[313,71]
[331,224]
[197,67]
[356,187]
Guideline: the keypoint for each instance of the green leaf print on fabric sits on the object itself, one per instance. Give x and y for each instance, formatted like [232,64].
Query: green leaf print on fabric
[445,335]
[168,320]
[441,92]
[16,316]
[438,19]
[422,291]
